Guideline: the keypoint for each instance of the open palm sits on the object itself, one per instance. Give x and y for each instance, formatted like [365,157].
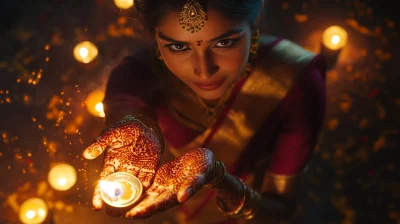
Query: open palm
[175,182]
[129,147]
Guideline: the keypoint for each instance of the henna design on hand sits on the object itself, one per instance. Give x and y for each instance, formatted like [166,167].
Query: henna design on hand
[128,147]
[175,182]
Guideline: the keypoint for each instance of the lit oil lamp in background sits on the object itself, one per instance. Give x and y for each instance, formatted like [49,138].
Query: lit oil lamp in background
[33,211]
[334,38]
[120,190]
[124,4]
[94,103]
[85,52]
[62,177]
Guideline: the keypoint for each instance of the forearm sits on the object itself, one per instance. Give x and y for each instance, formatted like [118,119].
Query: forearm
[271,208]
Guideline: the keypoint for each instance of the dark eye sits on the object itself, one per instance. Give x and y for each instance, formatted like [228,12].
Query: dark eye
[225,43]
[178,47]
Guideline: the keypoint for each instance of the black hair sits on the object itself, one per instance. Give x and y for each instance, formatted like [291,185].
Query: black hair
[150,12]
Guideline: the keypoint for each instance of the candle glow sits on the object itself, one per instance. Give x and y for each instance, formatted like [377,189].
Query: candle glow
[120,189]
[33,211]
[62,177]
[94,103]
[124,4]
[85,52]
[334,38]
[113,190]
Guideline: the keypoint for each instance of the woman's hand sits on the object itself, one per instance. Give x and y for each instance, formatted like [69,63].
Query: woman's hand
[175,182]
[130,147]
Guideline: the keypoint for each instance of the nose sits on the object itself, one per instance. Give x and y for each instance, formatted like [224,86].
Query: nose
[205,66]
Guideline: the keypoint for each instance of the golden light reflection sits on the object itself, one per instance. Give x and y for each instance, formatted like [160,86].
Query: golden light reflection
[120,189]
[334,38]
[85,52]
[124,4]
[33,210]
[62,177]
[94,103]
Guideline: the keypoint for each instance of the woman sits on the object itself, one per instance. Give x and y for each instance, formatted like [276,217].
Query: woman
[240,114]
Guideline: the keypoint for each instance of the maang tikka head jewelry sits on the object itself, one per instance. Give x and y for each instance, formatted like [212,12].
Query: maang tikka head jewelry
[192,17]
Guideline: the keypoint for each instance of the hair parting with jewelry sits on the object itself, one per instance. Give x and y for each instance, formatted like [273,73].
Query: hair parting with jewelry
[149,13]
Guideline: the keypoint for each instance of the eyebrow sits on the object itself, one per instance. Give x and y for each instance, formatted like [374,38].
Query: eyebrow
[222,36]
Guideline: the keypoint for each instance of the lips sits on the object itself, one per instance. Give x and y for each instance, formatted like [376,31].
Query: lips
[210,85]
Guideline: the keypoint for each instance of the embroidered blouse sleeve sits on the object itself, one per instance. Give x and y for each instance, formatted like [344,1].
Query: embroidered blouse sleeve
[302,112]
[132,88]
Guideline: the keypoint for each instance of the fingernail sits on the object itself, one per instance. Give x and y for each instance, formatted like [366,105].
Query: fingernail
[86,155]
[189,191]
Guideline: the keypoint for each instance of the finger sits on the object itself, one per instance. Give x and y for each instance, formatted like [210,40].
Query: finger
[97,201]
[94,150]
[113,137]
[146,176]
[153,204]
[189,187]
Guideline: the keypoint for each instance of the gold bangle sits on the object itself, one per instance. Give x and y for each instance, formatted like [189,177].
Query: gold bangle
[253,204]
[248,206]
[149,124]
[217,174]
[237,212]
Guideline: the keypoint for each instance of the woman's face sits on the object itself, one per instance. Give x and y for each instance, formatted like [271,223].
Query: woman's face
[210,60]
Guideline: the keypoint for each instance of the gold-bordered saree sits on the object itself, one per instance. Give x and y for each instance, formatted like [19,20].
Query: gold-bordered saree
[251,101]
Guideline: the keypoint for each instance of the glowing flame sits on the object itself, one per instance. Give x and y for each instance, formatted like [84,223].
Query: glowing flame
[30,214]
[334,37]
[84,52]
[62,181]
[100,109]
[112,189]
[62,177]
[94,103]
[124,4]
[33,210]
[42,212]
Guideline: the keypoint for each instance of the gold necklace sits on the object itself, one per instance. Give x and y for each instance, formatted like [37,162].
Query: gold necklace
[211,112]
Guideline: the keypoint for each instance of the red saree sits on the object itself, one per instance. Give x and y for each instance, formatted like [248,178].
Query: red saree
[270,121]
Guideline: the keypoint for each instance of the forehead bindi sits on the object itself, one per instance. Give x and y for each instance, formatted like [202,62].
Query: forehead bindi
[214,27]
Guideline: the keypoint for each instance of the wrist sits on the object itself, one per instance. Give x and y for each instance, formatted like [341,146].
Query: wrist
[242,202]
[217,175]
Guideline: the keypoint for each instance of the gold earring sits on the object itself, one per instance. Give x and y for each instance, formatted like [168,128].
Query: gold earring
[254,43]
[158,54]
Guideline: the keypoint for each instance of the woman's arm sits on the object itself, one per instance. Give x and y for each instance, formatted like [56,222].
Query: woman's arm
[132,141]
[132,89]
[302,112]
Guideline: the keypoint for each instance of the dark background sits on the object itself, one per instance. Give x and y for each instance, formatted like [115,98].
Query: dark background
[353,176]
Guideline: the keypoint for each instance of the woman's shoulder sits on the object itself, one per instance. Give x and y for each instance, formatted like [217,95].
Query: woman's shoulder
[276,53]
